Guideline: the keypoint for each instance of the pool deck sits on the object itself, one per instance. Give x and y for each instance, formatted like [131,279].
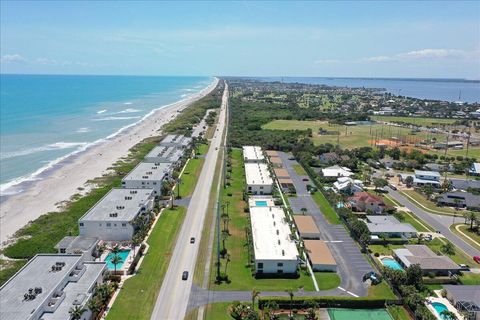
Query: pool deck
[444,301]
[122,271]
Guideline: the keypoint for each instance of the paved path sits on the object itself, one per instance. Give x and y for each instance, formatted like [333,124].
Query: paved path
[351,263]
[174,294]
[437,222]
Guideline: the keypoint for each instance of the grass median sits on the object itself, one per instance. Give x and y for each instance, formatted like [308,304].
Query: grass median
[464,230]
[139,293]
[426,204]
[192,172]
[325,207]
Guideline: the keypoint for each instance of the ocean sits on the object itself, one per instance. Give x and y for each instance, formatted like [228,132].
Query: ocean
[45,119]
[436,89]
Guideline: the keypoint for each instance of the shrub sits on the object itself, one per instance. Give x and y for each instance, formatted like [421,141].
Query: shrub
[376,254]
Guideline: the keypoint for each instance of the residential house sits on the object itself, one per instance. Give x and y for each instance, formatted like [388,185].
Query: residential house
[336,171]
[390,227]
[426,178]
[428,260]
[475,169]
[466,300]
[348,185]
[329,158]
[366,202]
[459,199]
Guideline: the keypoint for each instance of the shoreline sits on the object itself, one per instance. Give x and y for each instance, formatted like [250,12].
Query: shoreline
[63,179]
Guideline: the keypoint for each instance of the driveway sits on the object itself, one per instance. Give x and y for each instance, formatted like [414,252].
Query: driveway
[351,263]
[436,221]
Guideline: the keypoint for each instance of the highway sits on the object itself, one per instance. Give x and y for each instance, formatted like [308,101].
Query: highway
[174,294]
[438,222]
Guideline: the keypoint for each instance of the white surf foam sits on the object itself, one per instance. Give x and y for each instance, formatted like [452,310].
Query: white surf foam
[83,130]
[49,147]
[129,110]
[127,103]
[116,118]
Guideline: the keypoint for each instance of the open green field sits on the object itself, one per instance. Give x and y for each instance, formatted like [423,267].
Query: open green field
[325,207]
[352,136]
[420,121]
[139,293]
[473,152]
[192,172]
[237,270]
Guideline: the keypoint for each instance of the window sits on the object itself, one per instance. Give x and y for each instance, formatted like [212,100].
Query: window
[279,271]
[81,224]
[143,182]
[63,250]
[154,183]
[114,224]
[109,224]
[124,224]
[280,264]
[261,187]
[260,265]
[249,188]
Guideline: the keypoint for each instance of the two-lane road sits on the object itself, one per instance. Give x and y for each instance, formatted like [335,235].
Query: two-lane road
[174,294]
[438,222]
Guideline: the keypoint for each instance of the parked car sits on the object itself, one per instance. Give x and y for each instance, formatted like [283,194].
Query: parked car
[392,187]
[305,179]
[464,267]
[185,275]
[192,240]
[476,259]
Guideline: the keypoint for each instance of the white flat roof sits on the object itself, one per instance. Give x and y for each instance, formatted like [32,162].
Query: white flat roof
[176,140]
[149,171]
[126,203]
[38,273]
[253,153]
[427,173]
[165,153]
[257,174]
[271,235]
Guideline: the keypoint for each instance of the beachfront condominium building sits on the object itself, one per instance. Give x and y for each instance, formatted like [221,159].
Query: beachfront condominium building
[176,140]
[164,154]
[253,154]
[148,176]
[113,217]
[258,178]
[275,251]
[49,286]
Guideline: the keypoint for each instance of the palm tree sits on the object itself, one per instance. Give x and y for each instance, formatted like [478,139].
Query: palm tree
[227,260]
[116,259]
[76,312]
[472,216]
[311,314]
[290,293]
[224,236]
[116,249]
[255,294]
[270,307]
[179,182]
[94,306]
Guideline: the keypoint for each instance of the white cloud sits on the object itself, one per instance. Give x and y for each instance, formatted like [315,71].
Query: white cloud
[8,58]
[426,54]
[378,59]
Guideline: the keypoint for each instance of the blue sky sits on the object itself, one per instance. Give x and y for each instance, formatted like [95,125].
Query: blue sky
[358,39]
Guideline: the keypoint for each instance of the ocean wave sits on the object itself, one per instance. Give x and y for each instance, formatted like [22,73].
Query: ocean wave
[129,110]
[49,147]
[83,130]
[116,118]
[127,103]
[15,186]
[102,111]
[184,95]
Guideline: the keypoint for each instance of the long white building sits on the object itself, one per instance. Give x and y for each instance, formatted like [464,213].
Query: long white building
[112,217]
[164,154]
[275,251]
[49,286]
[148,176]
[258,178]
[176,140]
[253,154]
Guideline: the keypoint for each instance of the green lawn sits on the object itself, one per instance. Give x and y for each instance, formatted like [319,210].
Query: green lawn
[427,204]
[192,172]
[398,313]
[325,208]
[470,279]
[139,293]
[459,257]
[466,230]
[421,121]
[327,280]
[217,311]
[294,125]
[299,170]
[9,268]
[416,222]
[384,250]
[381,290]
[237,270]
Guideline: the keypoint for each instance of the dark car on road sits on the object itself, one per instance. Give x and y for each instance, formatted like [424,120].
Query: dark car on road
[192,240]
[185,275]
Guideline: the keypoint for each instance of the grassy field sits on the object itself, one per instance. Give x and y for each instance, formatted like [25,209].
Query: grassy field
[216,311]
[351,137]
[459,257]
[325,208]
[398,313]
[427,204]
[466,230]
[420,121]
[138,295]
[9,268]
[327,280]
[237,270]
[381,290]
[192,171]
[299,170]
[417,223]
[470,279]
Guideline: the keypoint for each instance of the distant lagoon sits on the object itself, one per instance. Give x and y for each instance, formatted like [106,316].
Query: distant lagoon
[435,89]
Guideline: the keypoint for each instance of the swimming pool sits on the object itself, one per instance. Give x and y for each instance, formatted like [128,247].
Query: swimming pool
[439,308]
[259,203]
[392,264]
[123,254]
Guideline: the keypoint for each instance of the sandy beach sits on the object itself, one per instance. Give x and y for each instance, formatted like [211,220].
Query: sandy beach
[62,183]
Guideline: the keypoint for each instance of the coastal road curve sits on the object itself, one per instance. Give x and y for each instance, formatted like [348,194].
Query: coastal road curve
[174,294]
[438,222]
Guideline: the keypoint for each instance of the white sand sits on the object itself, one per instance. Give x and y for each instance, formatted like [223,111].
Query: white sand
[45,195]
